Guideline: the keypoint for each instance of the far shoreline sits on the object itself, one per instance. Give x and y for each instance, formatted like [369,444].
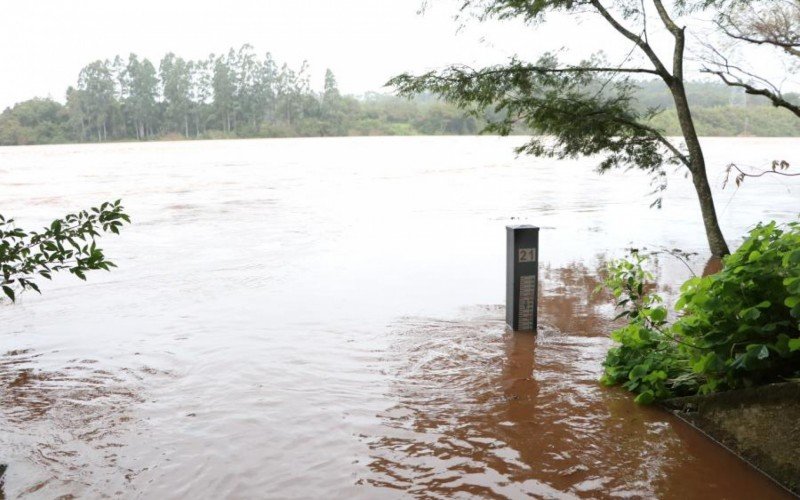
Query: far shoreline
[165,139]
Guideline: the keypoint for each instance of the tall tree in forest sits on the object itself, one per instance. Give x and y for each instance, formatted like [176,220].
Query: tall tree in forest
[330,91]
[76,111]
[223,84]
[285,87]
[331,108]
[293,91]
[202,93]
[588,107]
[246,71]
[142,82]
[97,87]
[121,118]
[265,98]
[176,85]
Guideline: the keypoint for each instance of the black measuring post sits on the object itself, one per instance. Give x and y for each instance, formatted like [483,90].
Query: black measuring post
[522,277]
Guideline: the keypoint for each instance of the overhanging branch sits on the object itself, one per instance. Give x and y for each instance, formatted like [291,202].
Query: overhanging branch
[776,99]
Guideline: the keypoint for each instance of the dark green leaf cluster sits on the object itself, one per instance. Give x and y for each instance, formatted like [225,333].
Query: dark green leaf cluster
[745,320]
[67,244]
[647,360]
[738,328]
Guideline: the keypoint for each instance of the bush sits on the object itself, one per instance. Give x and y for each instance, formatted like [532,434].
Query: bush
[738,328]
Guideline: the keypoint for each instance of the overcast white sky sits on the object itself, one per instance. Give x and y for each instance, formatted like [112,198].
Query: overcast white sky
[45,43]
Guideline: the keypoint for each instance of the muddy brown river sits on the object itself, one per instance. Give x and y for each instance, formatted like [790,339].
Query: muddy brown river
[323,318]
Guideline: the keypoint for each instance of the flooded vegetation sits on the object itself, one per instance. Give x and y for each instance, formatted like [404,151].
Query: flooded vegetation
[323,317]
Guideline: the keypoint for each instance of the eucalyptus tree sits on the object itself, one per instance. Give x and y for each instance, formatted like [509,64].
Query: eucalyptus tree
[121,93]
[332,110]
[76,110]
[330,90]
[202,92]
[142,82]
[96,84]
[223,84]
[246,68]
[176,85]
[305,97]
[266,97]
[286,94]
[588,107]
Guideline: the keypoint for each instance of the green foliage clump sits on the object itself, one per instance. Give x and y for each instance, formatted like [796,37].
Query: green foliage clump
[67,244]
[648,360]
[737,328]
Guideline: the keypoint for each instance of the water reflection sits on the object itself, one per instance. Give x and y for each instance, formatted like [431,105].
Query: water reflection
[486,412]
[73,421]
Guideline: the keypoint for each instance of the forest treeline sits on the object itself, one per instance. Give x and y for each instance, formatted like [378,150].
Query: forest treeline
[243,94]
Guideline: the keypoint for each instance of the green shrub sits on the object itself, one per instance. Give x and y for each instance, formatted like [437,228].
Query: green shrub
[738,328]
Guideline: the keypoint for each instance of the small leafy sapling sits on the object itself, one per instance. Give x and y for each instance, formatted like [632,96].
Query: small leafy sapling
[68,244]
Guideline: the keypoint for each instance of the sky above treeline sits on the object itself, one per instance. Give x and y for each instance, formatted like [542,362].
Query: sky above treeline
[45,43]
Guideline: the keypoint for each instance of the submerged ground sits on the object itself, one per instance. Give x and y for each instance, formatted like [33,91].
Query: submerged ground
[311,317]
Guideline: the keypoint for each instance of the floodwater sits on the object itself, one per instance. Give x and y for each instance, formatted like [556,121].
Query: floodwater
[323,318]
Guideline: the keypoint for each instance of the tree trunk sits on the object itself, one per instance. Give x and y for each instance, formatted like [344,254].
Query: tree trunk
[716,241]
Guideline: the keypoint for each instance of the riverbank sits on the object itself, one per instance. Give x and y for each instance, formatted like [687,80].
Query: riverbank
[761,425]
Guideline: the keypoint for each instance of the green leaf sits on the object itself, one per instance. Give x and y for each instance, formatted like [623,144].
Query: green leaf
[639,371]
[658,314]
[750,313]
[645,398]
[9,292]
[794,345]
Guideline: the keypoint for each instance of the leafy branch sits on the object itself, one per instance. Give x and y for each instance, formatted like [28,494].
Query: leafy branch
[779,167]
[578,110]
[67,244]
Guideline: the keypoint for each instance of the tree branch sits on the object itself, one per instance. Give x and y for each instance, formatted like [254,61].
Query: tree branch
[663,140]
[680,39]
[778,167]
[668,22]
[569,69]
[661,70]
[727,74]
[776,99]
[790,48]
